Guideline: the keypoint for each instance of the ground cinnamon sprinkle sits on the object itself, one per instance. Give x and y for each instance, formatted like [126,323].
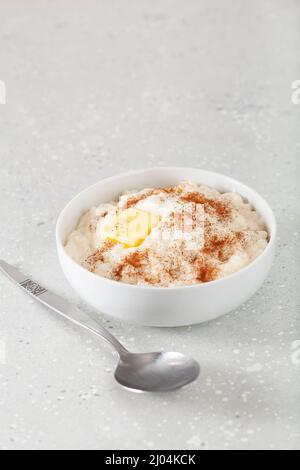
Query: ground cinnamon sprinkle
[221,209]
[173,270]
[221,248]
[172,190]
[207,272]
[216,248]
[188,246]
[98,256]
[135,259]
[134,200]
[151,280]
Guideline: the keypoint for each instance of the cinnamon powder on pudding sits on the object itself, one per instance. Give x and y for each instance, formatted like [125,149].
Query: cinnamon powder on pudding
[203,262]
[135,260]
[98,255]
[173,190]
[135,199]
[207,272]
[221,248]
[215,250]
[232,234]
[220,208]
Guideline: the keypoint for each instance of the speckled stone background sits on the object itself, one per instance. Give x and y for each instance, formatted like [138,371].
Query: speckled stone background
[95,87]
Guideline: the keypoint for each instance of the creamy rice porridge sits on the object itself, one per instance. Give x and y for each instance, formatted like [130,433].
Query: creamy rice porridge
[166,237]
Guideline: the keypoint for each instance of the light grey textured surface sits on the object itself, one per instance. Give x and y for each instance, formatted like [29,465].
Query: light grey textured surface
[95,87]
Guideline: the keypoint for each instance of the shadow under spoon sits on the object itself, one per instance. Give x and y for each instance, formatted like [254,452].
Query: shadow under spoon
[147,372]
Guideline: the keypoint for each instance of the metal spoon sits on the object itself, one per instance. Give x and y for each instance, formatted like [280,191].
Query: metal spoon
[148,372]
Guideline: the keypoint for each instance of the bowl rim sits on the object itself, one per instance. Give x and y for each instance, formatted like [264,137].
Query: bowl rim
[86,272]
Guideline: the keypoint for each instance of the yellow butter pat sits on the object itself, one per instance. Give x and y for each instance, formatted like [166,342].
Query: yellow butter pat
[130,227]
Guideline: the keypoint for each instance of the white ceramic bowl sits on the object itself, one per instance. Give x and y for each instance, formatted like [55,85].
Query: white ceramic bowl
[155,306]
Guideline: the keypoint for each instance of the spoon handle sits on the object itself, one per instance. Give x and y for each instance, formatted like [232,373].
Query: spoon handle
[59,305]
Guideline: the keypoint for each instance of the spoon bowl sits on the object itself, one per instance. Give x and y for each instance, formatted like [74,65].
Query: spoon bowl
[156,371]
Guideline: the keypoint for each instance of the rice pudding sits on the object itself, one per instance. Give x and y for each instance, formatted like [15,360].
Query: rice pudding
[167,237]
